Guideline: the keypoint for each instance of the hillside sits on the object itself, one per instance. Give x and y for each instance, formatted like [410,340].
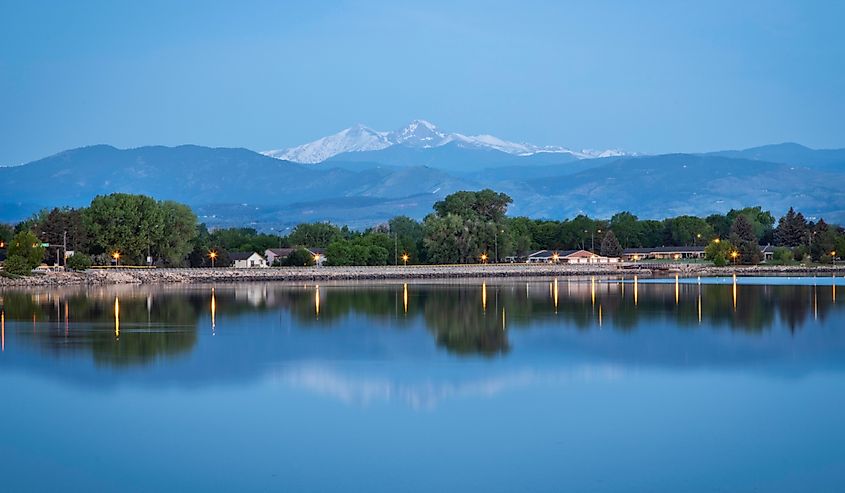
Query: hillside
[241,187]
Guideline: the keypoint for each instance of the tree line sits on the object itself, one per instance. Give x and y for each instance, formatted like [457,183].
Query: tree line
[464,227]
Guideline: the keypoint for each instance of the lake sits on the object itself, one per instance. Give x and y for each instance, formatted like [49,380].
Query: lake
[587,385]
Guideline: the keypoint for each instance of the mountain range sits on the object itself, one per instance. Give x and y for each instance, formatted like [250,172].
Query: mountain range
[419,134]
[364,177]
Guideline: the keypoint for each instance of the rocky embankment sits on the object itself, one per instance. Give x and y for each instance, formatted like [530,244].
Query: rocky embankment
[321,274]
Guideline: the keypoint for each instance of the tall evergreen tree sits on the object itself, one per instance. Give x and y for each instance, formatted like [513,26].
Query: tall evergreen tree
[792,230]
[743,237]
[610,246]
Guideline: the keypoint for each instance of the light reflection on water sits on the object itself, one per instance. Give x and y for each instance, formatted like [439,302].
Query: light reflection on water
[601,372]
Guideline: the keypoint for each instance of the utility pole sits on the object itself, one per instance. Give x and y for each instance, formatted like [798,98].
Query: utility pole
[64,248]
[395,249]
[496,241]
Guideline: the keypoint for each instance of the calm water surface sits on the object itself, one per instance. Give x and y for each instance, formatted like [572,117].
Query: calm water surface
[590,385]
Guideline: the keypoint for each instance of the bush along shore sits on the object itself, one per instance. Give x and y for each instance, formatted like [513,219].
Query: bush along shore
[320,274]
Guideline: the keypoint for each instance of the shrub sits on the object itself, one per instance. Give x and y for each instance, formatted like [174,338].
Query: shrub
[79,261]
[28,247]
[17,265]
[800,253]
[719,260]
[300,257]
[783,256]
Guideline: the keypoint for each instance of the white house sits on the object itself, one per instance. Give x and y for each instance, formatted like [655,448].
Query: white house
[569,257]
[280,254]
[245,260]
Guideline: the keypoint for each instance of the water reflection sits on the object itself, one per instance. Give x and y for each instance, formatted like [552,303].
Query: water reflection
[213,312]
[148,322]
[116,317]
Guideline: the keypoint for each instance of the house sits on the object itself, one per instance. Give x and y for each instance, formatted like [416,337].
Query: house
[246,260]
[569,257]
[277,254]
[663,253]
[768,253]
[280,254]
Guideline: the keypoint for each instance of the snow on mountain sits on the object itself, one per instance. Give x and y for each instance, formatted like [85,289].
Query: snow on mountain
[420,134]
[356,138]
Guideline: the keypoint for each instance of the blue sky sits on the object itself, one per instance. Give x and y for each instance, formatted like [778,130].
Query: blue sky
[641,76]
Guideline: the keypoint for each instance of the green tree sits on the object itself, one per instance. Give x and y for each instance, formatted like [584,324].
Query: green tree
[688,230]
[824,241]
[79,261]
[51,226]
[362,250]
[761,222]
[177,235]
[485,205]
[129,224]
[450,239]
[521,239]
[653,233]
[16,265]
[6,234]
[745,240]
[792,230]
[242,240]
[300,258]
[610,246]
[410,237]
[28,247]
[783,256]
[627,229]
[720,225]
[718,248]
[314,235]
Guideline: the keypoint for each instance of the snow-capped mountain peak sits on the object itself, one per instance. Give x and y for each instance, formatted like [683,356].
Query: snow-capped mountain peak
[417,133]
[353,139]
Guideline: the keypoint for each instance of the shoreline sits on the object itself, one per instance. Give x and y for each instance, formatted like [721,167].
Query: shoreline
[414,272]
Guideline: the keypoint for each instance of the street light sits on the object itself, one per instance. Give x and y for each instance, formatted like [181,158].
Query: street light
[833,257]
[484,258]
[496,241]
[405,258]
[316,259]
[734,255]
[116,257]
[717,240]
[213,256]
[555,257]
[592,238]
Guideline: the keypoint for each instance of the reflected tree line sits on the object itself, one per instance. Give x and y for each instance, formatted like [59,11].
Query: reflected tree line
[137,326]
